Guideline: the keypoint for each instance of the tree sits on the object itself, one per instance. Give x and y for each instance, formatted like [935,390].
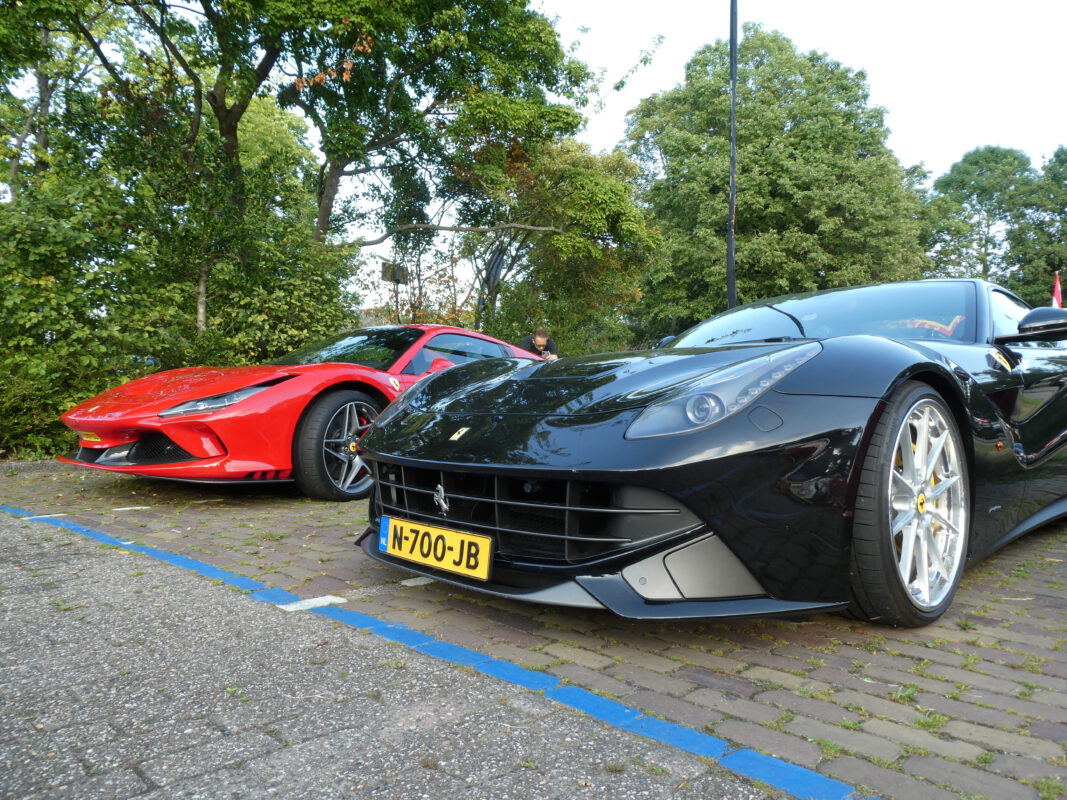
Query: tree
[1037,240]
[984,189]
[580,278]
[821,201]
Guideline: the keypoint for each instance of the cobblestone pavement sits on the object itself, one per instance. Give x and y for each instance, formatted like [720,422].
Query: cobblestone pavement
[972,707]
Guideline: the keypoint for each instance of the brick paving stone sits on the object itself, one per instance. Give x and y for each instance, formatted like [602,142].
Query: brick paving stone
[1049,730]
[877,659]
[711,661]
[887,783]
[716,680]
[772,660]
[876,706]
[673,709]
[967,711]
[638,638]
[639,658]
[578,655]
[787,679]
[569,637]
[808,706]
[858,742]
[914,737]
[515,636]
[1044,697]
[591,679]
[1049,643]
[500,612]
[734,706]
[977,680]
[968,780]
[1027,769]
[568,622]
[656,681]
[996,655]
[896,678]
[458,636]
[936,654]
[415,604]
[817,634]
[1057,668]
[1016,705]
[842,679]
[769,741]
[1025,677]
[528,658]
[1003,741]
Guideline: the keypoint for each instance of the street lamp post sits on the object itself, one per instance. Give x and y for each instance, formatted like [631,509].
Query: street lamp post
[731,281]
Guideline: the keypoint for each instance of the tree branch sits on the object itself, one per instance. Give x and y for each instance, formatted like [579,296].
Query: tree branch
[458,229]
[170,47]
[123,84]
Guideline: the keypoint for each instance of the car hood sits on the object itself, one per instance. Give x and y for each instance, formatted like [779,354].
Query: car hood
[162,390]
[579,385]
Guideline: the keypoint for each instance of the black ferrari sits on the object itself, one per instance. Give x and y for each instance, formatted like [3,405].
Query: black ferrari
[851,449]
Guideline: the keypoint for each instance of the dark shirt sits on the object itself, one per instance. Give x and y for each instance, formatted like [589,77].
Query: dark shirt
[528,345]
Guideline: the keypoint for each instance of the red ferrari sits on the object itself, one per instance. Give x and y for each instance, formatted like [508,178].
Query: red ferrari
[297,419]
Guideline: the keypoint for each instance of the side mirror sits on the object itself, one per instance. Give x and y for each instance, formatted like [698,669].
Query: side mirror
[439,364]
[666,340]
[1044,324]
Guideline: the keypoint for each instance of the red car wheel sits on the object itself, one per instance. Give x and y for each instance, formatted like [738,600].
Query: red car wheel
[326,463]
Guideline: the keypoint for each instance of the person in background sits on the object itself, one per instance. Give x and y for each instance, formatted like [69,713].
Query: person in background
[539,343]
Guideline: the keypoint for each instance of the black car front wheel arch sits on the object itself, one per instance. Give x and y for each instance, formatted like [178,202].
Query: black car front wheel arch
[326,463]
[912,517]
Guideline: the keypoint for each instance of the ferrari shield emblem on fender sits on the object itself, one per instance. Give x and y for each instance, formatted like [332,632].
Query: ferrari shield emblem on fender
[455,437]
[394,383]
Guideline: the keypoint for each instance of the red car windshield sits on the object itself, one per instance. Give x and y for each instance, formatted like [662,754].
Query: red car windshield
[377,348]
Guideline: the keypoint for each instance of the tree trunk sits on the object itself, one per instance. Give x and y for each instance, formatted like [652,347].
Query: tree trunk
[331,183]
[201,300]
[44,108]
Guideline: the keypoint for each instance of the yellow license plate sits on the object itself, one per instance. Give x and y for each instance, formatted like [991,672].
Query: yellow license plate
[442,548]
[85,436]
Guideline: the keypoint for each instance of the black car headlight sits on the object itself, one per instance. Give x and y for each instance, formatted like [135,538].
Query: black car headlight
[213,403]
[720,395]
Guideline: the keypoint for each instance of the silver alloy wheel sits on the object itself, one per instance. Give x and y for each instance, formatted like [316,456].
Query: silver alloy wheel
[344,466]
[927,505]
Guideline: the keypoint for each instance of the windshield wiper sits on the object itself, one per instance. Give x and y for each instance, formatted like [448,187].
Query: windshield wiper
[795,322]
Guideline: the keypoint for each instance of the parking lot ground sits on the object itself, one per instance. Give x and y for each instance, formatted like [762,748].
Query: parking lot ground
[973,706]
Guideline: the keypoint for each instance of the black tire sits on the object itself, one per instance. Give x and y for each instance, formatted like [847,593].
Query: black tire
[325,462]
[912,519]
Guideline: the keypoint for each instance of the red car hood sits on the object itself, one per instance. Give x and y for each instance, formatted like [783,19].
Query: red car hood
[158,392]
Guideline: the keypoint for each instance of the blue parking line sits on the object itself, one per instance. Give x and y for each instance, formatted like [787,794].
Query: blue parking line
[800,782]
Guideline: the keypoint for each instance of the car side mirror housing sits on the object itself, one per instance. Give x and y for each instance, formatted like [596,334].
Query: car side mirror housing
[439,364]
[666,340]
[1044,324]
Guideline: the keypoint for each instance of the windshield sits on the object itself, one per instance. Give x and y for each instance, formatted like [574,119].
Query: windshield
[378,348]
[934,310]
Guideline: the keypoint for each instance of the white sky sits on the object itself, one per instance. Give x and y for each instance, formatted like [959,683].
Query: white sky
[953,75]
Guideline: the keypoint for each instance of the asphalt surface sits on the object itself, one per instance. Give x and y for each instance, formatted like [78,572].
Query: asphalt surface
[125,676]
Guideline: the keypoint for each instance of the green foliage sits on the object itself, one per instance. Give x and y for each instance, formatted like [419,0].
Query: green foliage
[582,281]
[1037,239]
[821,201]
[980,196]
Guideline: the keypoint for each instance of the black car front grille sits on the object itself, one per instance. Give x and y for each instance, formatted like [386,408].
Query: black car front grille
[550,521]
[156,448]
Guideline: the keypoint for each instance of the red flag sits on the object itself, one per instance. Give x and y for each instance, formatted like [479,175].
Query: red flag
[1057,297]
